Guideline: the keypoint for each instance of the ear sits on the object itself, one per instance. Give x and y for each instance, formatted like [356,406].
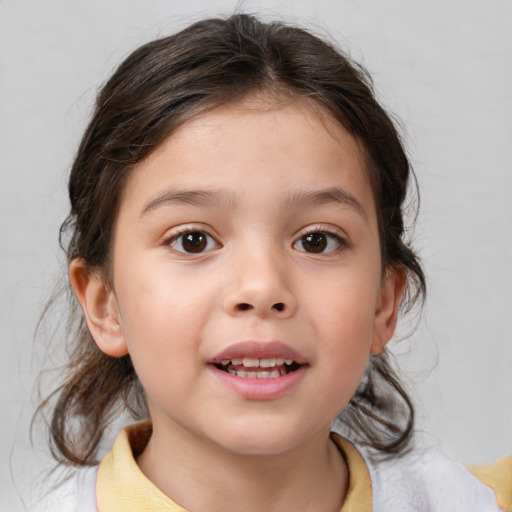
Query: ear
[99,305]
[386,314]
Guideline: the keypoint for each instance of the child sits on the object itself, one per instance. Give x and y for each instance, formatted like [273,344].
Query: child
[236,244]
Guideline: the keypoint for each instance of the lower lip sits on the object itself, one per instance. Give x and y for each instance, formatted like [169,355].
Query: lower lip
[259,389]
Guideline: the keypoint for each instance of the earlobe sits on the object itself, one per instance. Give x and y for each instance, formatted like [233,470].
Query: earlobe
[99,305]
[390,297]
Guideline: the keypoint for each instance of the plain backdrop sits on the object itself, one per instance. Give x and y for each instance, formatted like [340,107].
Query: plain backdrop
[444,67]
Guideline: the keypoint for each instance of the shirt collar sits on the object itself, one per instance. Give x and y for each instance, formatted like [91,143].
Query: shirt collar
[122,486]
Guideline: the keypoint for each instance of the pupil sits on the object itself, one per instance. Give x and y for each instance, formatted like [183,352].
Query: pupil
[194,242]
[314,242]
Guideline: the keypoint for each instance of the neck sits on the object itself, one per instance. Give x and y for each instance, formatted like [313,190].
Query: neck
[199,475]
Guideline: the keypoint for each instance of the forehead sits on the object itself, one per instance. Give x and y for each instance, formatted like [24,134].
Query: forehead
[290,145]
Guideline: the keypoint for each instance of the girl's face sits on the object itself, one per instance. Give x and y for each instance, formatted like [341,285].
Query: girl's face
[247,279]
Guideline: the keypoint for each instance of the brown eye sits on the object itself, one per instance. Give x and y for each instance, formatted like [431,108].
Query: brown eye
[318,242]
[314,242]
[193,242]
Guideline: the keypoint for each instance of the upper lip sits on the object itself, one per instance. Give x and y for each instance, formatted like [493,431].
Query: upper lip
[258,350]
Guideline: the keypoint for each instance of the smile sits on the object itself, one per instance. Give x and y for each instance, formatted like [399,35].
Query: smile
[263,368]
[259,370]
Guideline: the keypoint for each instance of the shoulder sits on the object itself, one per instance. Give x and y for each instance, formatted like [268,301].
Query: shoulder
[424,480]
[69,492]
[497,476]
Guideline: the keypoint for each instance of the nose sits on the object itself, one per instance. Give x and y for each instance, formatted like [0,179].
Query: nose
[260,285]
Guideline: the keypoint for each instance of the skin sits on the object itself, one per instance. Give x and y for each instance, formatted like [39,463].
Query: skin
[256,279]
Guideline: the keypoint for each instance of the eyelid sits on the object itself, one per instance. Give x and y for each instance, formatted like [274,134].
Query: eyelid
[328,229]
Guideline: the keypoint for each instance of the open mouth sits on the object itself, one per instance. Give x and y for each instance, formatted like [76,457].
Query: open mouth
[263,368]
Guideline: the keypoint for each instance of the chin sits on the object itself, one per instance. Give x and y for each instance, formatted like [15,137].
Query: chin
[264,440]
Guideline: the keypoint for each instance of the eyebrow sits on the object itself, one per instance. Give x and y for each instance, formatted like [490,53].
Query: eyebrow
[208,198]
[334,195]
[192,197]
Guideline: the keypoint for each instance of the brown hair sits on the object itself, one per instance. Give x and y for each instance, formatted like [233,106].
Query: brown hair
[156,89]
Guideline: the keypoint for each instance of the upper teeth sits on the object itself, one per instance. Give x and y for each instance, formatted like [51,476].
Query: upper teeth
[250,362]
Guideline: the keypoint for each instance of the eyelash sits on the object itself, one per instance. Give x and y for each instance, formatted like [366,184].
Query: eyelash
[322,244]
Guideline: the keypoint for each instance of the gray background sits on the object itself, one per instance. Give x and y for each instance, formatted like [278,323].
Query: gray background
[443,66]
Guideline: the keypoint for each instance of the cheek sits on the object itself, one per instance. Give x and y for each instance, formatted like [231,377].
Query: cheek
[349,302]
[344,324]
[162,314]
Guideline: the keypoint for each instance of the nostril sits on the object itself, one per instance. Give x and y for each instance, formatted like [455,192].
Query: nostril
[246,306]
